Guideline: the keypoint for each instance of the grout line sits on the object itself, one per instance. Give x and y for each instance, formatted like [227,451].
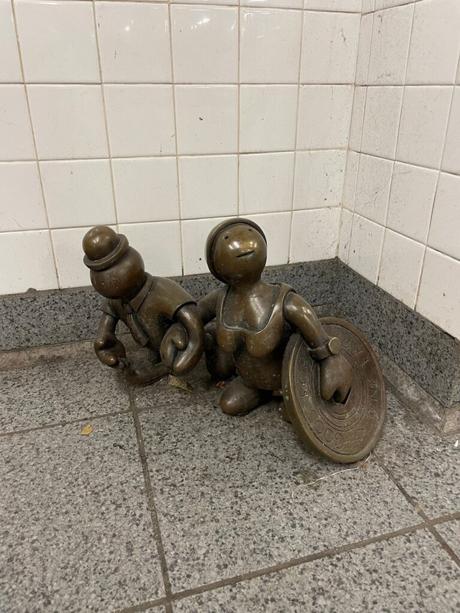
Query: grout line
[429,523]
[387,210]
[197,84]
[179,191]
[447,548]
[151,501]
[238,112]
[427,238]
[355,89]
[106,122]
[288,564]
[362,129]
[34,142]
[299,72]
[63,423]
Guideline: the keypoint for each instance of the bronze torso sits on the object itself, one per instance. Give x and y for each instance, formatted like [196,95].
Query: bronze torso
[258,348]
[150,313]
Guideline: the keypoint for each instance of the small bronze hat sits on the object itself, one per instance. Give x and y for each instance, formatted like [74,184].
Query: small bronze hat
[103,247]
[218,229]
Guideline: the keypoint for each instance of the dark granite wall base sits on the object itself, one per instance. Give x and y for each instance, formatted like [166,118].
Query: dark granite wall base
[426,353]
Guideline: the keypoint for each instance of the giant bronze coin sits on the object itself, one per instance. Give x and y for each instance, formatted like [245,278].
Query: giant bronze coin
[342,432]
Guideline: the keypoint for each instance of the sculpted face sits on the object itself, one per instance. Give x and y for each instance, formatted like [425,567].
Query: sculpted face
[239,254]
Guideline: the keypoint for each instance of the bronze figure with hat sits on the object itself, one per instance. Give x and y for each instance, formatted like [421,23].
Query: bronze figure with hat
[148,305]
[270,340]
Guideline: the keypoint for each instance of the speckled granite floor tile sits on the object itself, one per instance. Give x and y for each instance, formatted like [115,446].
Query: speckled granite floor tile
[407,573]
[238,494]
[425,464]
[58,390]
[450,531]
[75,531]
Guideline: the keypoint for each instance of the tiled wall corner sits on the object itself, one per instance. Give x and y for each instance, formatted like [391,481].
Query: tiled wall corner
[161,118]
[400,223]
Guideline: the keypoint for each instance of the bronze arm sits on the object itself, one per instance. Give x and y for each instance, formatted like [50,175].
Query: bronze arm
[108,348]
[301,315]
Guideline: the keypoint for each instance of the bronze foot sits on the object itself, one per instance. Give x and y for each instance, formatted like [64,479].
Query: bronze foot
[238,398]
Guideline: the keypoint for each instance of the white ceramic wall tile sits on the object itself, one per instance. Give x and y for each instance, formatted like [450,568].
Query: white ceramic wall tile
[319,179]
[324,116]
[159,244]
[205,2]
[329,47]
[58,41]
[33,262]
[451,159]
[365,247]
[445,222]
[364,49]
[284,4]
[314,234]
[368,6]
[381,121]
[69,257]
[435,43]
[334,5]
[400,267]
[206,118]
[439,294]
[205,44]
[266,182]
[267,117]
[390,45]
[208,186]
[194,235]
[276,227]
[411,200]
[134,42]
[146,189]
[270,44]
[78,193]
[16,141]
[423,124]
[140,119]
[345,235]
[373,187]
[351,177]
[68,121]
[10,69]
[357,118]
[21,202]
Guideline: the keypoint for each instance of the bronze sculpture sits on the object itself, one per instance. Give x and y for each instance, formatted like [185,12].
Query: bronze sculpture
[146,304]
[249,324]
[264,337]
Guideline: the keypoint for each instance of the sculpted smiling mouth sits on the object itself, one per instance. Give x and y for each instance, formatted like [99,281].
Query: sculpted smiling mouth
[245,253]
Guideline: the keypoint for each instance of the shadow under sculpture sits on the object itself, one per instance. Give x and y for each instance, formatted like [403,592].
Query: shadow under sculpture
[270,340]
[147,305]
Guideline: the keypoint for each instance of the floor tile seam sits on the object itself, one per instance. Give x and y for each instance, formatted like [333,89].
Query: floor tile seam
[443,544]
[150,496]
[235,580]
[50,426]
[412,502]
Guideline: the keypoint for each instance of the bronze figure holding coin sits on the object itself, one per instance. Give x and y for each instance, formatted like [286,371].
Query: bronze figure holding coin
[264,338]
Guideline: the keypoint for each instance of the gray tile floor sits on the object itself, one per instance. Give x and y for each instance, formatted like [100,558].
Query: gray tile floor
[169,505]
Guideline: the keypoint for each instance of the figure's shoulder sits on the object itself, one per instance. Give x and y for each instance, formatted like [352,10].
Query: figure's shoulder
[169,295]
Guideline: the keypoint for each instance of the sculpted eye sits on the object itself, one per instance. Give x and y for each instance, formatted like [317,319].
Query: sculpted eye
[250,229]
[226,237]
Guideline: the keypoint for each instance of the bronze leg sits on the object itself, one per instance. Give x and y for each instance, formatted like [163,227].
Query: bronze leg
[220,364]
[238,398]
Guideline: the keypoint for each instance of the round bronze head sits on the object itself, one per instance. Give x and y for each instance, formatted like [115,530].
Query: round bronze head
[117,270]
[236,250]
